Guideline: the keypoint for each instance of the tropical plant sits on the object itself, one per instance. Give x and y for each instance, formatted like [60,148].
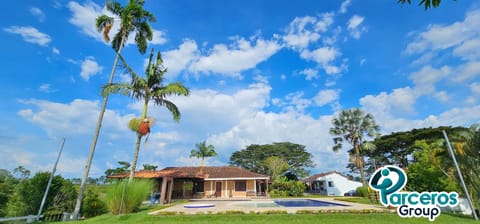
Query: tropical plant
[126,197]
[149,167]
[92,205]
[275,166]
[124,168]
[148,88]
[284,187]
[426,3]
[203,151]
[352,126]
[133,18]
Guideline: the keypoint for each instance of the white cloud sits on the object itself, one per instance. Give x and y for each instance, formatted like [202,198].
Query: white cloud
[305,30]
[55,51]
[400,101]
[466,72]
[90,68]
[30,34]
[426,78]
[38,13]
[325,97]
[46,88]
[84,17]
[322,55]
[475,88]
[354,25]
[343,7]
[179,59]
[362,61]
[310,73]
[439,37]
[75,118]
[468,50]
[442,96]
[231,60]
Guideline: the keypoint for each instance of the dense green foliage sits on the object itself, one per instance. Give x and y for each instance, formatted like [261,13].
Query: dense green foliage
[123,168]
[126,197]
[284,187]
[26,195]
[92,205]
[253,156]
[275,166]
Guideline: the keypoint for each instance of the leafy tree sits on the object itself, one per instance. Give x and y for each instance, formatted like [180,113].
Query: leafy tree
[21,172]
[61,196]
[426,3]
[124,168]
[275,166]
[8,185]
[423,174]
[203,151]
[253,156]
[353,126]
[146,89]
[149,167]
[133,19]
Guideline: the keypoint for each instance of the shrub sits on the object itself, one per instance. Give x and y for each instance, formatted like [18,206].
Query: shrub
[92,205]
[362,191]
[133,193]
[284,187]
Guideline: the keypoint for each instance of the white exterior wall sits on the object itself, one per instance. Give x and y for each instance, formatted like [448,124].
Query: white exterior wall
[341,184]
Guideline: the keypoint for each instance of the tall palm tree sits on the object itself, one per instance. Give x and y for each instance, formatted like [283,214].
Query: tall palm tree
[133,18]
[148,88]
[203,151]
[352,126]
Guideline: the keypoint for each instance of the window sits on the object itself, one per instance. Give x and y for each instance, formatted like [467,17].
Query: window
[240,185]
[330,183]
[198,186]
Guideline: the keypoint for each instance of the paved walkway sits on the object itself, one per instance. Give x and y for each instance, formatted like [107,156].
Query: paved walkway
[262,205]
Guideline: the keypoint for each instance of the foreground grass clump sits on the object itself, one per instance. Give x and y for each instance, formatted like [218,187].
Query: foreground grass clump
[125,197]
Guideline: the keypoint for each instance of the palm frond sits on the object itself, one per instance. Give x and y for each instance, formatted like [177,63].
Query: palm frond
[117,88]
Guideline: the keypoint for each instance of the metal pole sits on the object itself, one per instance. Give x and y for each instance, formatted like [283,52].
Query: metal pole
[460,175]
[50,180]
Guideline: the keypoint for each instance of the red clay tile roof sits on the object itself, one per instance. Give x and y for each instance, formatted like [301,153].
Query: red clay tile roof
[208,172]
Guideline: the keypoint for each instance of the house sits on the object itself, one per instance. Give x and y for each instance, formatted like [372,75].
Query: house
[331,183]
[205,182]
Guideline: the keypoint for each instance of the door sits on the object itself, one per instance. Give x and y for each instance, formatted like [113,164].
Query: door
[218,189]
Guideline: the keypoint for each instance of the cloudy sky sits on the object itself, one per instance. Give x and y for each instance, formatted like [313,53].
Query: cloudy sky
[259,71]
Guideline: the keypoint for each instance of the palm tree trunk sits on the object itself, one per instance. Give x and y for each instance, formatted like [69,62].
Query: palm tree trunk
[95,137]
[360,164]
[137,145]
[135,158]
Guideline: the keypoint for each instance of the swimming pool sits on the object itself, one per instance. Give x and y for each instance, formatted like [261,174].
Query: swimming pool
[286,203]
[305,203]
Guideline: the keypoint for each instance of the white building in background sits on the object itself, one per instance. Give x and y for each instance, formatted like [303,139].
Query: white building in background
[330,183]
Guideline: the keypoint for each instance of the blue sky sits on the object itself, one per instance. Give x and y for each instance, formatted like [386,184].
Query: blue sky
[259,72]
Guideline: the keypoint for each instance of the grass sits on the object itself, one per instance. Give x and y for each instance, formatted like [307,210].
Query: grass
[142,217]
[375,218]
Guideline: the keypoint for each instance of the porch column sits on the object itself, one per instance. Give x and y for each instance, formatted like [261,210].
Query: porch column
[170,190]
[266,192]
[255,187]
[226,188]
[164,189]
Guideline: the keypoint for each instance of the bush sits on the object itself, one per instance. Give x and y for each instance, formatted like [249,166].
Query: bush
[362,191]
[92,205]
[284,187]
[134,193]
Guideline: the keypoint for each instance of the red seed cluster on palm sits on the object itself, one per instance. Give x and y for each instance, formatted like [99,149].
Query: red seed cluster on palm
[144,128]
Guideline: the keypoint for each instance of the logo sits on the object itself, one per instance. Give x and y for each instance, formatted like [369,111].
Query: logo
[388,181]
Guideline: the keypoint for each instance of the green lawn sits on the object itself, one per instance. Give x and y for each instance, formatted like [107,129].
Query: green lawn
[143,217]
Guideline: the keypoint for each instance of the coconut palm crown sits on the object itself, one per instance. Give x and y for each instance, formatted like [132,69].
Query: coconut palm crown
[148,88]
[203,151]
